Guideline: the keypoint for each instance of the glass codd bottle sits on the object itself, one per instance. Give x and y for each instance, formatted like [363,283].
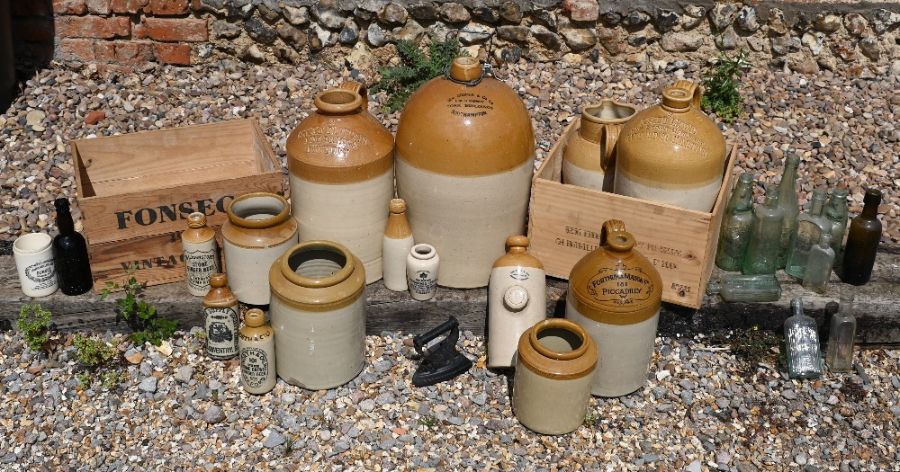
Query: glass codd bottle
[789,204]
[810,226]
[818,264]
[746,288]
[837,213]
[736,225]
[765,237]
[841,336]
[862,241]
[801,341]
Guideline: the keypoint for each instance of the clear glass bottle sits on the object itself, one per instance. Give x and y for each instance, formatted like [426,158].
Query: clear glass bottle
[801,342]
[746,288]
[838,214]
[736,225]
[789,204]
[810,226]
[761,256]
[818,265]
[862,242]
[842,336]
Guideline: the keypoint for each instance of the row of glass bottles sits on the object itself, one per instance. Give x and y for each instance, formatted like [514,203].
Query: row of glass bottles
[801,341]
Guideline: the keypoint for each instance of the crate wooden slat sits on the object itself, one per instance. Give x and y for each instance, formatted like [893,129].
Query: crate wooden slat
[564,225]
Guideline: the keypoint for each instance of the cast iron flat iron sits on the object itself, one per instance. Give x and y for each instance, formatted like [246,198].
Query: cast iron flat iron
[440,360]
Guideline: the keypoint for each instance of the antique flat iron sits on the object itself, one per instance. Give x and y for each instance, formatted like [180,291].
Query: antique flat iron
[440,359]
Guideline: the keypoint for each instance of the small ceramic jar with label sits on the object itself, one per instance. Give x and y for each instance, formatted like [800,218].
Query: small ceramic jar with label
[33,253]
[201,256]
[422,265]
[220,312]
[257,344]
[398,240]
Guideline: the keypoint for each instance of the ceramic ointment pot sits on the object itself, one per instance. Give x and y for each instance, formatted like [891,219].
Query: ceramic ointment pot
[554,370]
[341,173]
[589,153]
[672,152]
[258,231]
[318,314]
[422,268]
[517,299]
[615,294]
[465,158]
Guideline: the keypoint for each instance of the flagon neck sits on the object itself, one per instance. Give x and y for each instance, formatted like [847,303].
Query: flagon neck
[64,216]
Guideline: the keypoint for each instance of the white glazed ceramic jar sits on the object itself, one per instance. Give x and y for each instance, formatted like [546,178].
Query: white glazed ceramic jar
[33,253]
[422,268]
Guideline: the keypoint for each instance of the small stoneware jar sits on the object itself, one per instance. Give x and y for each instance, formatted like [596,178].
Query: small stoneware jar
[422,265]
[517,299]
[589,153]
[201,255]
[398,240]
[318,312]
[221,319]
[258,231]
[555,364]
[257,343]
[33,253]
[615,294]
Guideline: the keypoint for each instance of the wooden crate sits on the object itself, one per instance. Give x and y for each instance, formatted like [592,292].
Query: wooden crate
[135,191]
[564,225]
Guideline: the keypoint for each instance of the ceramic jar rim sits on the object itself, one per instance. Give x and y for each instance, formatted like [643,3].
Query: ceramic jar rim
[196,220]
[317,282]
[32,243]
[535,356]
[588,115]
[328,102]
[466,69]
[423,256]
[558,323]
[273,220]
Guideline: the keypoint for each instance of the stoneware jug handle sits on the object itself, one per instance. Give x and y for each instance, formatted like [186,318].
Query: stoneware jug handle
[693,89]
[609,134]
[610,227]
[359,89]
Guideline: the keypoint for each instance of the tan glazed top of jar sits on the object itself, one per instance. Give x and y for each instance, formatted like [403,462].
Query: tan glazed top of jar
[465,124]
[338,279]
[397,226]
[255,327]
[252,231]
[558,365]
[341,141]
[615,284]
[219,295]
[197,231]
[517,255]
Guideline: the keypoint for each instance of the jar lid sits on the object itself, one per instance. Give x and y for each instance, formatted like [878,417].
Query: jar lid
[517,255]
[557,348]
[318,276]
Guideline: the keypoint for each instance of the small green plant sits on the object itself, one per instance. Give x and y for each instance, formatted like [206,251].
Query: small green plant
[591,420]
[428,421]
[141,316]
[85,379]
[415,69]
[111,379]
[34,323]
[96,356]
[721,95]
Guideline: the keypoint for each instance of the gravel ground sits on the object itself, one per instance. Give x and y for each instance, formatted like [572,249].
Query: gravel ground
[845,126]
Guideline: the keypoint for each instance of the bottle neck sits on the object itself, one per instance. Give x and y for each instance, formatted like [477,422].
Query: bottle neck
[788,179]
[64,221]
[870,210]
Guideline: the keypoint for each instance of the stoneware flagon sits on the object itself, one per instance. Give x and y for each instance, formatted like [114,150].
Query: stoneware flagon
[555,365]
[259,230]
[465,158]
[615,294]
[221,319]
[398,241]
[257,344]
[589,154]
[422,268]
[517,299]
[318,313]
[341,173]
[201,254]
[672,152]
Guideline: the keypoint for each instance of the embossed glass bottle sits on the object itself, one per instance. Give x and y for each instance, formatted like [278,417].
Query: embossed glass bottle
[736,226]
[841,336]
[810,226]
[789,204]
[801,341]
[862,242]
[765,237]
[746,288]
[837,213]
[818,265]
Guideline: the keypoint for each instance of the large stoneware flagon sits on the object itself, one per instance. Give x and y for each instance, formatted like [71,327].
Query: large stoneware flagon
[589,153]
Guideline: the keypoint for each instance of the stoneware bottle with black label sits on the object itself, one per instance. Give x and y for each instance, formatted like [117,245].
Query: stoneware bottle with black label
[201,256]
[220,312]
[257,343]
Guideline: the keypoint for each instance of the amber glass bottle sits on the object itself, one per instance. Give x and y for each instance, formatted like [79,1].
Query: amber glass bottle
[862,241]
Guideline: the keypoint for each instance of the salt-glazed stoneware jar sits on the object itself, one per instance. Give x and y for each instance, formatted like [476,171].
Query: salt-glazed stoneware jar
[422,268]
[221,319]
[672,152]
[517,299]
[555,367]
[589,153]
[398,241]
[615,294]
[341,172]
[201,254]
[465,158]
[318,313]
[257,343]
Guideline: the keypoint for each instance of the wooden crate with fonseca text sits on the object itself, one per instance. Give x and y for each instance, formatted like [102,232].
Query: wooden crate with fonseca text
[565,220]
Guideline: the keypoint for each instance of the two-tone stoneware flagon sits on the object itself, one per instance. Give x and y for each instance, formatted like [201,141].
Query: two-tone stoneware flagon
[589,154]
[221,316]
[398,241]
[201,254]
[257,348]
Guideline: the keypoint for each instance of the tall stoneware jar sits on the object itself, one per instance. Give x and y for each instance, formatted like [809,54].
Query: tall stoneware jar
[258,231]
[517,299]
[615,294]
[341,172]
[589,153]
[556,360]
[672,152]
[318,313]
[465,158]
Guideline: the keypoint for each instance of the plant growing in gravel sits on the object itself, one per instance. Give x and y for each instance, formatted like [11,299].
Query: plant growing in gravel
[34,323]
[591,420]
[141,316]
[428,421]
[721,95]
[111,379]
[415,69]
[96,356]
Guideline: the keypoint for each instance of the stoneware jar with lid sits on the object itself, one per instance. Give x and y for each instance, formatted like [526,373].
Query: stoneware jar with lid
[614,294]
[318,313]
[259,230]
[257,343]
[672,152]
[201,254]
[555,364]
[589,152]
[341,162]
[465,158]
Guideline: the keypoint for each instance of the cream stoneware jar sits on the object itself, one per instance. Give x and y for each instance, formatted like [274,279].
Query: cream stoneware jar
[555,364]
[341,162]
[201,254]
[465,158]
[318,314]
[517,299]
[422,268]
[33,253]
[258,231]
[257,347]
[615,294]
[589,153]
[398,241]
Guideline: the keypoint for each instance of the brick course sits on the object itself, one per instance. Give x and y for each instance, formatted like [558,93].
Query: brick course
[172,29]
[92,27]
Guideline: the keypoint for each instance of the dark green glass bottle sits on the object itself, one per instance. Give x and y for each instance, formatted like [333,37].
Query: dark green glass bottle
[736,225]
[862,241]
